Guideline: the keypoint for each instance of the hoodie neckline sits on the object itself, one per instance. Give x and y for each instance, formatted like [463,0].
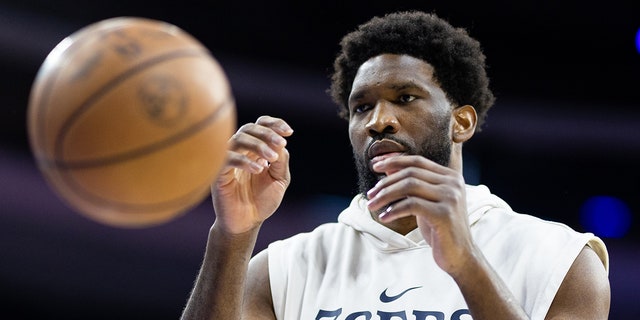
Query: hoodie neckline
[357,216]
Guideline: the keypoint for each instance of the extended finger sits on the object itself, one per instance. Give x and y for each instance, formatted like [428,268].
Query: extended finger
[393,164]
[390,190]
[409,206]
[244,161]
[406,173]
[278,125]
[261,141]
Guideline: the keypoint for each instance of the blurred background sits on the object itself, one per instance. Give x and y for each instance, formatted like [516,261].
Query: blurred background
[561,143]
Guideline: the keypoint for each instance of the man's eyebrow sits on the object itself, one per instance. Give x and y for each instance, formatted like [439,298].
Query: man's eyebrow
[357,95]
[405,85]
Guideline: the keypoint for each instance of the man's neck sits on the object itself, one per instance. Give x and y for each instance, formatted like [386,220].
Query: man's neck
[401,226]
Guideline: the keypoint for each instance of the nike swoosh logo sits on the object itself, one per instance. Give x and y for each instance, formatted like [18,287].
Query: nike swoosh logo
[385,298]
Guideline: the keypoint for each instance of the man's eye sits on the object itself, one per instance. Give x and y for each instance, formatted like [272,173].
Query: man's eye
[406,98]
[361,108]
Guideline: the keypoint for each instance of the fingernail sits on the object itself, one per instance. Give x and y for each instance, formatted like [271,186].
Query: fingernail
[271,154]
[279,141]
[384,213]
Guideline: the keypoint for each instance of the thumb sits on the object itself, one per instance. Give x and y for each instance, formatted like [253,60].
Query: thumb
[279,170]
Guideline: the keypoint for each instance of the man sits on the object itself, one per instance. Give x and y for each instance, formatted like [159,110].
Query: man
[417,243]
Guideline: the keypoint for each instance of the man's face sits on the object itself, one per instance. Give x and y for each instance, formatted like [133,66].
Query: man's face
[396,107]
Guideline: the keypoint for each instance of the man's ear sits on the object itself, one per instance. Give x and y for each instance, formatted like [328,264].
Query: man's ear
[465,120]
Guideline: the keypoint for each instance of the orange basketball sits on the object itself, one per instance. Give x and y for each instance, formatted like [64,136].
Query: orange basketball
[128,121]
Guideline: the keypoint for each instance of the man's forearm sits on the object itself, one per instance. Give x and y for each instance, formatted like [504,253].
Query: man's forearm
[218,290]
[486,294]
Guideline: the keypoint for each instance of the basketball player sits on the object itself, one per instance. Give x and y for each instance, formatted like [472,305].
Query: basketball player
[417,243]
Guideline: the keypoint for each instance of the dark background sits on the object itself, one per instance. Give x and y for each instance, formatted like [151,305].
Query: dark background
[565,128]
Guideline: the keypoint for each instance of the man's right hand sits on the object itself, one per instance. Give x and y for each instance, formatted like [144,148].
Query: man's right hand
[251,186]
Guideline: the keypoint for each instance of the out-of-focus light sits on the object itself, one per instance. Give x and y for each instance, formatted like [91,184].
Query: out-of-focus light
[638,40]
[606,216]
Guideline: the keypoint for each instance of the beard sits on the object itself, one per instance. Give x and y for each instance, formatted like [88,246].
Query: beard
[436,149]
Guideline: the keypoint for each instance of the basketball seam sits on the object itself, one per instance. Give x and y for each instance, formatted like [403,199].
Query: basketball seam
[139,152]
[58,160]
[122,206]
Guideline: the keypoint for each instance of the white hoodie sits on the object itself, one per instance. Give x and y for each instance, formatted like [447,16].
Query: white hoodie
[358,269]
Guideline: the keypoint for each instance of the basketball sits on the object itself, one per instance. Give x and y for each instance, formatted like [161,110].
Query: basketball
[128,121]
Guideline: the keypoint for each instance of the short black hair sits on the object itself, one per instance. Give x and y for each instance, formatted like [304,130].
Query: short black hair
[458,60]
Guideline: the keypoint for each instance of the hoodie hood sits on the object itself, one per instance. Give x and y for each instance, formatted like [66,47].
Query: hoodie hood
[479,201]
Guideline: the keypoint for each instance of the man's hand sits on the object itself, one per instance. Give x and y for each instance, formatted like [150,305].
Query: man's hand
[435,195]
[252,184]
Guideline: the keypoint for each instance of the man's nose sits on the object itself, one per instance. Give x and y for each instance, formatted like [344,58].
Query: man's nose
[382,119]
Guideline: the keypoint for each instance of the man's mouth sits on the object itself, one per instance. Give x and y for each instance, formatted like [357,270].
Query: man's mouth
[383,149]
